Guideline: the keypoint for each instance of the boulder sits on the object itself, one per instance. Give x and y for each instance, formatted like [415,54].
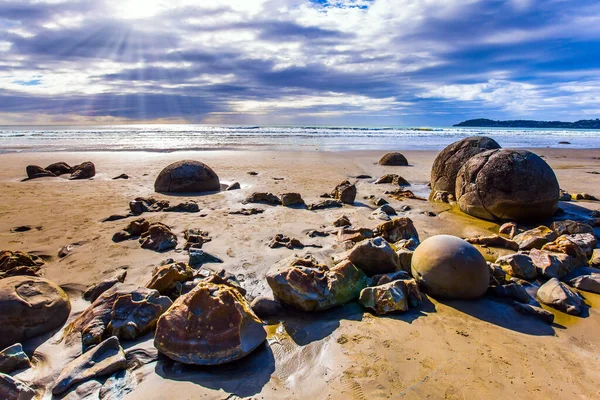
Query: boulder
[102,360]
[446,266]
[394,179]
[94,291]
[588,283]
[552,265]
[394,159]
[494,241]
[13,389]
[158,237]
[165,279]
[291,199]
[568,245]
[13,358]
[329,203]
[534,238]
[119,312]
[556,294]
[518,265]
[342,221]
[535,311]
[397,229]
[569,227]
[374,256]
[34,171]
[512,185]
[306,285]
[223,328]
[386,298]
[447,164]
[59,168]
[185,177]
[30,306]
[84,170]
[345,192]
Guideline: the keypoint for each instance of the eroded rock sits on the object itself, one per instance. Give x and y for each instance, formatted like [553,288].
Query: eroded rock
[535,238]
[494,241]
[291,199]
[386,298]
[94,291]
[373,256]
[13,358]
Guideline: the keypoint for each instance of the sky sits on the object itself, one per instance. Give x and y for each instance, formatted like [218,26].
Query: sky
[325,62]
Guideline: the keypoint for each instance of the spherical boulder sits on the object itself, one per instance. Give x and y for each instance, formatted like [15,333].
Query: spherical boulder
[448,267]
[514,185]
[30,306]
[395,159]
[187,176]
[447,164]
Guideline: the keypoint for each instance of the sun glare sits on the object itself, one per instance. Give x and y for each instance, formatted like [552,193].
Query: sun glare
[137,9]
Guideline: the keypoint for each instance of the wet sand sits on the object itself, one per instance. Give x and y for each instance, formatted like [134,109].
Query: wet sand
[457,349]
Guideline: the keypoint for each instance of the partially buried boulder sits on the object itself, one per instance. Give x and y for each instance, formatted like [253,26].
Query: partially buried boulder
[213,324]
[30,306]
[447,164]
[373,256]
[306,285]
[119,312]
[34,171]
[187,176]
[102,360]
[507,185]
[59,168]
[394,159]
[345,192]
[448,267]
[84,170]
[558,295]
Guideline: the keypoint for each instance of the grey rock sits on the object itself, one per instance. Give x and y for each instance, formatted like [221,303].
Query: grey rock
[558,295]
[588,283]
[13,389]
[535,311]
[13,358]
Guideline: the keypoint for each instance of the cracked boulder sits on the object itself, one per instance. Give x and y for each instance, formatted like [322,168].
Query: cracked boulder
[187,176]
[452,158]
[30,306]
[448,267]
[213,324]
[514,185]
[306,285]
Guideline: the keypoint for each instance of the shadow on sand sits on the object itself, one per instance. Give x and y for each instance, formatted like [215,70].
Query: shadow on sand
[243,378]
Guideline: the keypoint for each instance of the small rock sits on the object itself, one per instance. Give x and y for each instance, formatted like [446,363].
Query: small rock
[405,258]
[380,201]
[537,312]
[280,240]
[364,177]
[588,283]
[315,233]
[115,217]
[374,256]
[342,221]
[354,235]
[102,360]
[164,280]
[84,170]
[386,298]
[345,192]
[186,207]
[595,259]
[585,196]
[13,358]
[122,176]
[497,274]
[158,237]
[429,213]
[397,229]
[252,173]
[199,258]
[325,204]
[233,186]
[387,209]
[382,279]
[34,171]
[510,229]
[442,196]
[564,195]
[535,238]
[568,244]
[22,228]
[380,215]
[569,227]
[291,199]
[518,265]
[552,265]
[263,197]
[267,307]
[393,179]
[405,208]
[247,211]
[558,295]
[494,241]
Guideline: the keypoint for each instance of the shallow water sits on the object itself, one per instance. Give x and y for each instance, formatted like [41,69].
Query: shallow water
[312,138]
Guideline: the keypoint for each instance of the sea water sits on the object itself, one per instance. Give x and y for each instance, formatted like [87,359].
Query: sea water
[306,138]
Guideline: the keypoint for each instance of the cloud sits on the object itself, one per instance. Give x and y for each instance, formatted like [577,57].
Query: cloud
[292,61]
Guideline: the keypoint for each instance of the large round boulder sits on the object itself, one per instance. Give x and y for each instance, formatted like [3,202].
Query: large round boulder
[448,267]
[514,185]
[212,324]
[395,159]
[187,176]
[30,306]
[447,164]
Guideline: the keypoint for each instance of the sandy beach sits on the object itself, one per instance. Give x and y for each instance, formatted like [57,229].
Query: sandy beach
[451,349]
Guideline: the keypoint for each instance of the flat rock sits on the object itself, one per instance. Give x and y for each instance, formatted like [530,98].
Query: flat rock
[568,245]
[263,197]
[535,238]
[569,227]
[552,265]
[535,311]
[511,290]
[494,241]
[102,360]
[330,203]
[588,283]
[94,291]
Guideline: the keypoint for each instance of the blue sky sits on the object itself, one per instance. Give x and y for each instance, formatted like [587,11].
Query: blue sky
[344,62]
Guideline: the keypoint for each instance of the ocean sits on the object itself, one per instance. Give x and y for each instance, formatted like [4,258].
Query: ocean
[306,138]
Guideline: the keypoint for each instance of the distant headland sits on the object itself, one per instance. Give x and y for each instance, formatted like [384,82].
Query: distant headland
[489,123]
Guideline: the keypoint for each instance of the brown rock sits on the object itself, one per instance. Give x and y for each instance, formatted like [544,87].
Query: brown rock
[511,290]
[166,277]
[381,279]
[224,327]
[494,241]
[280,240]
[30,306]
[558,295]
[393,179]
[354,235]
[595,259]
[291,199]
[345,192]
[13,389]
[394,159]
[325,204]
[386,298]
[34,171]
[59,168]
[397,229]
[534,238]
[13,263]
[569,227]
[84,170]
[185,177]
[263,197]
[567,245]
[13,358]
[510,229]
[158,237]
[342,221]
[374,256]
[94,291]
[552,265]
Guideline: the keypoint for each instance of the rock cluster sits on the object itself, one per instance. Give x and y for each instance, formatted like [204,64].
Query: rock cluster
[84,170]
[141,205]
[154,236]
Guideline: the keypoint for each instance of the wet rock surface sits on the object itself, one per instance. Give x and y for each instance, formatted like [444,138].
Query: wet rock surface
[185,177]
[224,327]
